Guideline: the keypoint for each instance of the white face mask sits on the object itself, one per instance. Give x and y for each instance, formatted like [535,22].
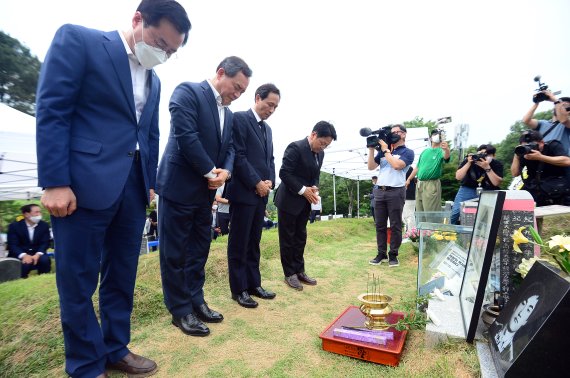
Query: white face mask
[435,138]
[36,219]
[148,55]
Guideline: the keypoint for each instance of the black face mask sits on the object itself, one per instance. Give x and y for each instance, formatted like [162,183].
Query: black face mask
[394,138]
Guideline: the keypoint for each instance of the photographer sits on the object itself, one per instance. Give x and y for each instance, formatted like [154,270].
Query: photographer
[546,164]
[476,170]
[556,129]
[390,195]
[429,171]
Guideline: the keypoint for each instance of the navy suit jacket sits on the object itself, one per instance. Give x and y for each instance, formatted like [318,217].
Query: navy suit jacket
[19,239]
[299,169]
[254,159]
[194,146]
[87,129]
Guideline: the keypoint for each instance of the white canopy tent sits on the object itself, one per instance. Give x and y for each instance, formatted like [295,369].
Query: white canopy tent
[18,164]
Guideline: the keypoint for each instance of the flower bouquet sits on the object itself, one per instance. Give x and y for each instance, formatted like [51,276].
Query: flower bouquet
[557,249]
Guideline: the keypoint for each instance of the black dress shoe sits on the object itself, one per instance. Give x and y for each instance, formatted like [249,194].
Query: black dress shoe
[205,314]
[244,300]
[262,293]
[191,325]
[306,279]
[293,281]
[134,365]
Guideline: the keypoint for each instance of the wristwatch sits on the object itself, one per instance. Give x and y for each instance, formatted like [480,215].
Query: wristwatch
[386,151]
[488,170]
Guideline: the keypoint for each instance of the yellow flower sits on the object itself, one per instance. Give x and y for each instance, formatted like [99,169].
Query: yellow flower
[561,241]
[437,236]
[519,238]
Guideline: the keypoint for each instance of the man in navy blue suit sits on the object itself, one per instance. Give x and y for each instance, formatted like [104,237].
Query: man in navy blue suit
[254,177]
[28,241]
[97,146]
[198,159]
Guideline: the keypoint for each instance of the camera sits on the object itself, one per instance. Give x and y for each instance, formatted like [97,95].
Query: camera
[526,148]
[374,137]
[478,156]
[539,96]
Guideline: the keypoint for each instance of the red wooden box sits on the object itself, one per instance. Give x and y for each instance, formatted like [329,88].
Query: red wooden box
[388,354]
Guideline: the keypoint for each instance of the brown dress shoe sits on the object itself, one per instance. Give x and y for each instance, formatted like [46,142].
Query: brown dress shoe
[306,279]
[135,366]
[103,375]
[293,281]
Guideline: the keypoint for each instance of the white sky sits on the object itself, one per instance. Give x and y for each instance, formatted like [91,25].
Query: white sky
[354,63]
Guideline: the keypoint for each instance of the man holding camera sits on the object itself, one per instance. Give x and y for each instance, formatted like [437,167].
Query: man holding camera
[556,129]
[479,170]
[390,195]
[546,164]
[429,171]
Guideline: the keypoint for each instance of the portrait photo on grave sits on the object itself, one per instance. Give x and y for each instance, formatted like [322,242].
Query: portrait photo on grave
[510,337]
[530,335]
[474,286]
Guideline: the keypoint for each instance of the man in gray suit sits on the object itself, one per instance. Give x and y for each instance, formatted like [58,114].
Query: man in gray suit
[299,174]
[198,159]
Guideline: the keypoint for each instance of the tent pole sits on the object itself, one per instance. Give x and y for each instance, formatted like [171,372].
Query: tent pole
[357,196]
[334,192]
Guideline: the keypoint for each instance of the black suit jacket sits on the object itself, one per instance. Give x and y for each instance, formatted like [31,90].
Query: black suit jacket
[19,239]
[254,159]
[299,169]
[195,145]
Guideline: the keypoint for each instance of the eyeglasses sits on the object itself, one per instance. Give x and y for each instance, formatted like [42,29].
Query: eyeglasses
[399,132]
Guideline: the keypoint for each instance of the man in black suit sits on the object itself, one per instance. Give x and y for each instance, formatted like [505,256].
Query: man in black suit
[198,159]
[299,174]
[254,177]
[28,241]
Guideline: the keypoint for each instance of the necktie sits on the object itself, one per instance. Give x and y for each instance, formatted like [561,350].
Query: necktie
[263,131]
[316,158]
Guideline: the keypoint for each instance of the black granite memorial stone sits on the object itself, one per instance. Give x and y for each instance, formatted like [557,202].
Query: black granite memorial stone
[531,335]
[10,269]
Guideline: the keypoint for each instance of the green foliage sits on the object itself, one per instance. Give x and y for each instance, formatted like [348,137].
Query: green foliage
[10,210]
[19,72]
[419,122]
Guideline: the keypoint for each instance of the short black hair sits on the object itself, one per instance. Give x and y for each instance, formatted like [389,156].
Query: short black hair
[324,129]
[232,65]
[374,177]
[264,91]
[155,10]
[530,136]
[28,208]
[402,127]
[434,131]
[489,149]
[564,99]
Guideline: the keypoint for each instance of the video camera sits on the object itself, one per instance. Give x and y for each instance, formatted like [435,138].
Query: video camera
[539,96]
[374,137]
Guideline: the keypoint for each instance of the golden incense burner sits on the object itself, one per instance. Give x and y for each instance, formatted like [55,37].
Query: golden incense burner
[376,307]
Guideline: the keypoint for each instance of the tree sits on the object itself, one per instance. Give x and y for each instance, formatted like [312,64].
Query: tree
[419,122]
[19,72]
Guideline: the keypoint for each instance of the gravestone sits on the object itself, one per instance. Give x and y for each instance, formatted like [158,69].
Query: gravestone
[518,211]
[530,337]
[10,269]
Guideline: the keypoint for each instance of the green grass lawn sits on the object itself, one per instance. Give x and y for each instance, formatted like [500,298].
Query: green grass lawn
[280,338]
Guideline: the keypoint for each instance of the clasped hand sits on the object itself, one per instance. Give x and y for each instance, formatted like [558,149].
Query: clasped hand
[262,188]
[312,194]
